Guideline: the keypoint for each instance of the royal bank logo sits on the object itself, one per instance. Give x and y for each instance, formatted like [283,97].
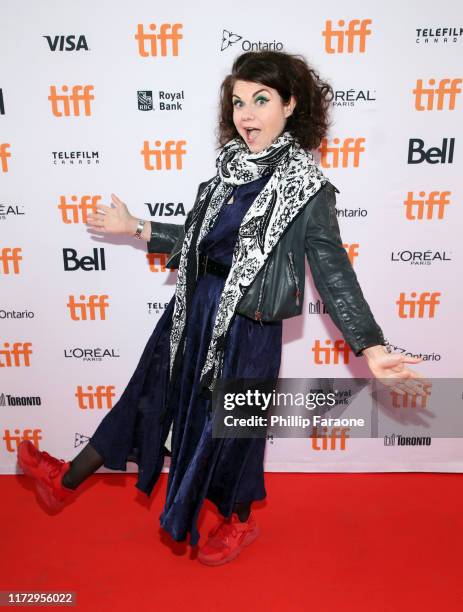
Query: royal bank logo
[145,100]
[231,38]
[353,97]
[75,158]
[438,36]
[166,100]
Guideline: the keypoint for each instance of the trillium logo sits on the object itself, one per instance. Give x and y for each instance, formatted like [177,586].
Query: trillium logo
[228,39]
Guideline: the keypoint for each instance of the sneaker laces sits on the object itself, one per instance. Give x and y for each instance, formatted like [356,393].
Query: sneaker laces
[221,532]
[54,465]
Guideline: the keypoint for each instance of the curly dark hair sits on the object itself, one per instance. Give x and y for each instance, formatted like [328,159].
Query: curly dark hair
[290,75]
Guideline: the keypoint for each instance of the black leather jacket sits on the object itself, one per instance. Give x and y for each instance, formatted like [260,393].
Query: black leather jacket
[277,292]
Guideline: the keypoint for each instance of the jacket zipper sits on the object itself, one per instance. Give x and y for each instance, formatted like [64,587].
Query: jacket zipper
[293,273]
[258,312]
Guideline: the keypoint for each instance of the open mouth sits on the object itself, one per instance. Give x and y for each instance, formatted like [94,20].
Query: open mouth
[251,134]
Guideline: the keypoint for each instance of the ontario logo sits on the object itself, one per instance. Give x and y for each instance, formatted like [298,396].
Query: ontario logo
[230,38]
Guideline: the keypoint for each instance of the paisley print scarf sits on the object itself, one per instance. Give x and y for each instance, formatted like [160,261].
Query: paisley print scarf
[296,178]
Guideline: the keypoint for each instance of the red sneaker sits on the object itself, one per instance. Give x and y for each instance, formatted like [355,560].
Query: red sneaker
[227,539]
[47,472]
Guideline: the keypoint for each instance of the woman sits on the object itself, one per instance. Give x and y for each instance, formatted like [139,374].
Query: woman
[240,259]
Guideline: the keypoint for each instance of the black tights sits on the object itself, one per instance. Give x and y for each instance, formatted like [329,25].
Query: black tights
[88,461]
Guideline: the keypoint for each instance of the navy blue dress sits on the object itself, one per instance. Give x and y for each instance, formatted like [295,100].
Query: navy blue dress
[225,471]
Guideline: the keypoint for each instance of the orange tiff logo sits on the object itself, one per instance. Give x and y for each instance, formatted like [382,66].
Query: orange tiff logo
[411,400]
[28,434]
[77,210]
[434,205]
[338,154]
[148,42]
[16,356]
[61,103]
[9,260]
[161,258]
[101,397]
[162,158]
[418,307]
[434,98]
[330,354]
[4,155]
[337,437]
[87,309]
[356,30]
[352,251]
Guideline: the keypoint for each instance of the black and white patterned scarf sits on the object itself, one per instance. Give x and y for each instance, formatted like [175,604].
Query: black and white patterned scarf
[296,178]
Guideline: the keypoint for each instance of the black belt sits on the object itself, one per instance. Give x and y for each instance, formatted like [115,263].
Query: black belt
[207,265]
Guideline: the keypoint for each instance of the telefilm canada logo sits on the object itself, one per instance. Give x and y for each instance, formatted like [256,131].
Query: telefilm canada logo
[438,35]
[353,97]
[230,38]
[166,100]
[156,307]
[75,158]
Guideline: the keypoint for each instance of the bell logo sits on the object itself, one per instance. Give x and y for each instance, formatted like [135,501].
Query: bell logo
[28,434]
[409,400]
[341,154]
[171,148]
[4,155]
[100,398]
[433,155]
[17,356]
[337,433]
[87,263]
[70,212]
[9,260]
[161,258]
[356,30]
[61,103]
[87,309]
[434,205]
[352,251]
[323,354]
[433,98]
[417,307]
[148,43]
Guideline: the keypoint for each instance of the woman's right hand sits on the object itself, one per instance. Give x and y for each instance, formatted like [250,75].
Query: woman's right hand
[114,219]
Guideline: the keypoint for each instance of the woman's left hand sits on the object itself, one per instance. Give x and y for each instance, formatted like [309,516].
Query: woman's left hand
[391,368]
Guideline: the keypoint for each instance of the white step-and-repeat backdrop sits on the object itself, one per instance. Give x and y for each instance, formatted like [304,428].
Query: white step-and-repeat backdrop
[92,95]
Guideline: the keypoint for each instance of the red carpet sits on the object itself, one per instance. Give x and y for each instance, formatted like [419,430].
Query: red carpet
[329,542]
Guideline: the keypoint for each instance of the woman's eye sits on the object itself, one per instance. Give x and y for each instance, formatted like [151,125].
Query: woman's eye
[236,102]
[264,100]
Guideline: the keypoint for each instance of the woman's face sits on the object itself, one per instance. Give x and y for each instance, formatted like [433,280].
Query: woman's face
[259,114]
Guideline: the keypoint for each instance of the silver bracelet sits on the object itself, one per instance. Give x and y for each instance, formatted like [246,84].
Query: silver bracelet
[140,226]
